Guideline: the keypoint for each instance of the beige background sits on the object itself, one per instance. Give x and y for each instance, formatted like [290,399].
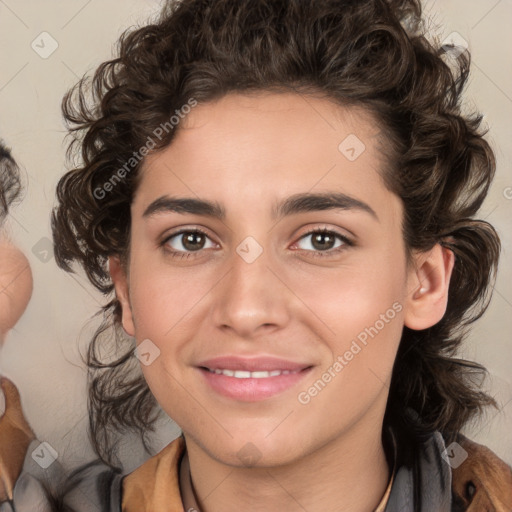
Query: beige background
[42,354]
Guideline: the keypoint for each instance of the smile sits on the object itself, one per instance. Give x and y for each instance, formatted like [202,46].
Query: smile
[252,386]
[241,374]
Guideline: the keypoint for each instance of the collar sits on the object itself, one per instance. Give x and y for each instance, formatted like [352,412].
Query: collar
[156,484]
[482,482]
[15,429]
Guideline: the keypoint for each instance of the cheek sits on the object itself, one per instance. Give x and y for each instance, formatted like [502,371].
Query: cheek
[367,330]
[351,298]
[362,307]
[16,285]
[161,299]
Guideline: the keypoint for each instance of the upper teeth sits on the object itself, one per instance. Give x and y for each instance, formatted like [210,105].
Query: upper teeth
[242,374]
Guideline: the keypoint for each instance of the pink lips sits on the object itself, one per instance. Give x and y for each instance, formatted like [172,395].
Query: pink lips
[251,389]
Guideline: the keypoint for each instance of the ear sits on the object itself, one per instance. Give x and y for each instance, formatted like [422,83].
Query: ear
[428,284]
[120,280]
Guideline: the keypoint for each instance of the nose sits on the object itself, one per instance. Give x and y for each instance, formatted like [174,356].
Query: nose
[252,299]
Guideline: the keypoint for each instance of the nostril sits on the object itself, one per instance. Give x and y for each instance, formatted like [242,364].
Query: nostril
[470,490]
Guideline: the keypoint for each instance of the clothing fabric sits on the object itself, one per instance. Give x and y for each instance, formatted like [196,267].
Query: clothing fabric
[154,486]
[145,489]
[93,487]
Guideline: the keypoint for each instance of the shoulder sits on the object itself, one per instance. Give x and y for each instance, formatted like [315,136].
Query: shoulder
[480,479]
[92,487]
[455,474]
[31,472]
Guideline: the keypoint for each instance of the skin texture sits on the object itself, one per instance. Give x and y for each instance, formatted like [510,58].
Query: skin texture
[246,152]
[15,286]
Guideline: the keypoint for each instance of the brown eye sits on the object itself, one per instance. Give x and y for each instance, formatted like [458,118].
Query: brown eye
[324,241]
[192,241]
[187,241]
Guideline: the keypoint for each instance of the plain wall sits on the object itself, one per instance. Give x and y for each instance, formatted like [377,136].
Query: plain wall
[41,355]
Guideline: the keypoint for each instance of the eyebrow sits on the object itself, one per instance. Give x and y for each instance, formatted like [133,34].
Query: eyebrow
[297,203]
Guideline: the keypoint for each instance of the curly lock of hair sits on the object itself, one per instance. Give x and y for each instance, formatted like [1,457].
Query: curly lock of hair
[10,185]
[368,53]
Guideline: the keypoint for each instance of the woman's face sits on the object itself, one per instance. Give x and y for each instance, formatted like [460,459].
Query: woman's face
[255,291]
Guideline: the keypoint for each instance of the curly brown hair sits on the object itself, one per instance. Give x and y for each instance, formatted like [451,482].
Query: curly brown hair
[370,53]
[10,185]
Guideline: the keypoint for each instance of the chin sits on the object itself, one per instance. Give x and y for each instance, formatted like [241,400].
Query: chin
[254,450]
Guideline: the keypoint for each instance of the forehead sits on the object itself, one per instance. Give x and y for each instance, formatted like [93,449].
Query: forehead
[262,146]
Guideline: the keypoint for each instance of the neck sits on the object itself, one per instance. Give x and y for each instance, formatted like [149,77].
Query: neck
[349,473]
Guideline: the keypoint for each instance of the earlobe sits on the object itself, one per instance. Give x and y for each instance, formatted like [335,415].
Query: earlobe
[120,280]
[428,286]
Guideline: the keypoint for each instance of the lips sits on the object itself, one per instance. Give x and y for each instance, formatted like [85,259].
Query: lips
[251,379]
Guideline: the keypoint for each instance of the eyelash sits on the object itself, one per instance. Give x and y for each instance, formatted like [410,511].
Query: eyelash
[321,254]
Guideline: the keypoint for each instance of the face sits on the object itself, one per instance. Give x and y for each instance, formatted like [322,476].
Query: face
[274,317]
